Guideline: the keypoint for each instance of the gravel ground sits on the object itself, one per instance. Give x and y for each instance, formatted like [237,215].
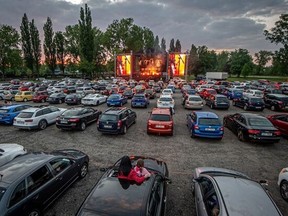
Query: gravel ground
[181,153]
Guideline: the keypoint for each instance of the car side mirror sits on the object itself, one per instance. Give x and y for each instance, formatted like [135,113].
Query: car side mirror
[264,183]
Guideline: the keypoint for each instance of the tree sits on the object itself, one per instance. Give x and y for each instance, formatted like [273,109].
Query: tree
[172,46]
[60,50]
[238,59]
[222,61]
[163,45]
[72,45]
[279,35]
[148,38]
[246,70]
[9,52]
[261,59]
[36,48]
[177,46]
[193,61]
[156,45]
[49,46]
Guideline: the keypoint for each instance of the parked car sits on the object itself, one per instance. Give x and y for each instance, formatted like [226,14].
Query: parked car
[10,151]
[116,100]
[272,91]
[37,117]
[280,121]
[218,101]
[249,103]
[40,96]
[193,102]
[172,87]
[38,179]
[128,93]
[94,99]
[204,124]
[254,93]
[219,191]
[57,98]
[165,101]
[167,92]
[205,93]
[149,198]
[74,98]
[160,122]
[233,93]
[24,96]
[277,102]
[116,120]
[252,127]
[85,90]
[139,100]
[9,95]
[9,112]
[77,118]
[156,88]
[69,89]
[283,183]
[150,93]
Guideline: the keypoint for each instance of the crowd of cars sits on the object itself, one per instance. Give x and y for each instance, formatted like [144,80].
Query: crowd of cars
[21,191]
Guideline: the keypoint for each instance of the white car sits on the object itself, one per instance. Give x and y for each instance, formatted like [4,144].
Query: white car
[253,92]
[94,99]
[85,90]
[37,117]
[167,91]
[10,151]
[283,183]
[193,102]
[165,101]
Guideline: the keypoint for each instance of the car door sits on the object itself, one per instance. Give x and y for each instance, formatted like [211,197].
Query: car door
[131,116]
[55,112]
[191,118]
[90,114]
[268,100]
[281,122]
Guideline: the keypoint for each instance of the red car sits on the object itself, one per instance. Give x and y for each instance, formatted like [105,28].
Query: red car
[160,122]
[205,93]
[280,121]
[40,97]
[24,88]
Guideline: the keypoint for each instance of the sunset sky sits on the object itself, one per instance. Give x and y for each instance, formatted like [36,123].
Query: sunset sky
[218,24]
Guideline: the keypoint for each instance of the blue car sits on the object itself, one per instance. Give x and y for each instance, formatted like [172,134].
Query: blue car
[205,124]
[9,112]
[116,100]
[139,100]
[234,93]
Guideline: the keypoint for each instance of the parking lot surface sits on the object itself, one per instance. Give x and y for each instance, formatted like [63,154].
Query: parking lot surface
[181,153]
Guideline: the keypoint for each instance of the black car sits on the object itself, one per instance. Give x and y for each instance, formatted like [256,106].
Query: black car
[113,196]
[116,120]
[32,182]
[276,102]
[56,98]
[128,93]
[252,127]
[77,118]
[150,93]
[226,192]
[217,101]
[249,103]
[73,99]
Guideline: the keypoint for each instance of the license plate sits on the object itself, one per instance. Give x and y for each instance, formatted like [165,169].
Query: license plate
[266,134]
[159,126]
[210,129]
[107,126]
[64,121]
[20,122]
[258,107]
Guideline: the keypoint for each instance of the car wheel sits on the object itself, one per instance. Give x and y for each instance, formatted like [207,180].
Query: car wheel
[84,170]
[60,101]
[273,108]
[25,99]
[83,126]
[124,130]
[34,212]
[121,104]
[225,122]
[192,134]
[211,106]
[13,99]
[240,136]
[42,124]
[245,107]
[43,100]
[97,103]
[284,190]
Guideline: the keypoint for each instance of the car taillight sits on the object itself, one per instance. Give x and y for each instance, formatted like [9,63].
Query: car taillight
[74,120]
[196,127]
[29,120]
[119,124]
[222,129]
[277,133]
[253,131]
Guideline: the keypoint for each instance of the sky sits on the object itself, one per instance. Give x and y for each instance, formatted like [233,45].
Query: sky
[218,24]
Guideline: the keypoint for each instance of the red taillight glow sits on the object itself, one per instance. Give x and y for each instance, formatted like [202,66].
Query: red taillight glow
[196,127]
[119,124]
[74,120]
[277,133]
[254,132]
[29,120]
[222,129]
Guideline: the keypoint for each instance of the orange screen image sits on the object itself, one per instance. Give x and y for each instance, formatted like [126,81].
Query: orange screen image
[177,64]
[123,65]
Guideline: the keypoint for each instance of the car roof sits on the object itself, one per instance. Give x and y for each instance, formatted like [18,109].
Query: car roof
[165,96]
[161,111]
[279,95]
[114,110]
[245,197]
[12,106]
[247,115]
[201,114]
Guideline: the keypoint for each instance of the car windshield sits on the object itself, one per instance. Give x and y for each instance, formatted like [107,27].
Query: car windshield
[237,91]
[107,117]
[256,100]
[209,121]
[222,99]
[3,110]
[114,97]
[195,99]
[138,96]
[2,192]
[71,112]
[160,117]
[128,91]
[149,91]
[259,122]
[191,91]
[25,115]
[165,99]
[284,99]
[71,96]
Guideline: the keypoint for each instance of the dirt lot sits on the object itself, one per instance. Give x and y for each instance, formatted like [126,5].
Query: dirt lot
[182,154]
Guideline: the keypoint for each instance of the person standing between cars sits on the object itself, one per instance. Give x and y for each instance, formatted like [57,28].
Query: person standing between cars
[126,171]
[141,170]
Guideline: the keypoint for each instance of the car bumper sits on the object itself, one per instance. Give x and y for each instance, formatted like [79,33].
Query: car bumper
[160,131]
[88,103]
[165,106]
[263,139]
[109,131]
[208,135]
[27,127]
[113,104]
[139,104]
[65,126]
[6,121]
[190,106]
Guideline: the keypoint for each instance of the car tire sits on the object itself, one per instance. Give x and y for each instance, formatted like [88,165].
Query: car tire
[272,108]
[42,124]
[83,126]
[211,106]
[97,104]
[240,136]
[25,99]
[192,134]
[284,190]
[225,122]
[121,104]
[34,212]
[12,99]
[43,100]
[60,101]
[124,129]
[83,171]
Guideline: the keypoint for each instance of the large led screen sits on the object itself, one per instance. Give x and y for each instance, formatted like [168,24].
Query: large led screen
[177,64]
[150,65]
[123,65]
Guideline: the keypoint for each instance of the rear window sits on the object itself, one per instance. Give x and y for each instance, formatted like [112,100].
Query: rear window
[70,96]
[221,99]
[139,96]
[259,122]
[165,99]
[237,91]
[114,97]
[160,117]
[3,110]
[2,192]
[107,117]
[283,99]
[69,113]
[209,121]
[256,100]
[195,99]
[25,115]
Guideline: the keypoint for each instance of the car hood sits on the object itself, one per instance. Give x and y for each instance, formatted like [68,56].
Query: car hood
[8,148]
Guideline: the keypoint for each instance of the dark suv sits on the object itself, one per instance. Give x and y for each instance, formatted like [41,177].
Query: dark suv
[249,103]
[218,101]
[116,120]
[276,102]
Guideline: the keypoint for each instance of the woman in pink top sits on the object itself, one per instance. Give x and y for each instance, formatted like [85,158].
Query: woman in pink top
[141,170]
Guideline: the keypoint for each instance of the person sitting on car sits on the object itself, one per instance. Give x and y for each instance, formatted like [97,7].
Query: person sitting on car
[141,170]
[126,171]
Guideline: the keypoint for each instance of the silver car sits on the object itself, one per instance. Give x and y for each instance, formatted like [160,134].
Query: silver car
[10,151]
[193,102]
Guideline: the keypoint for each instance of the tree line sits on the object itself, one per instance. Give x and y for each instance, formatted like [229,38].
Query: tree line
[82,47]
